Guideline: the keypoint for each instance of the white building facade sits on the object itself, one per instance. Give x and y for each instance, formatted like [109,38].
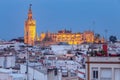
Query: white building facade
[40,73]
[103,68]
[7,61]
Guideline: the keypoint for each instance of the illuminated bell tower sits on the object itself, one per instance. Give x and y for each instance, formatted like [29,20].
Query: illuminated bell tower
[29,29]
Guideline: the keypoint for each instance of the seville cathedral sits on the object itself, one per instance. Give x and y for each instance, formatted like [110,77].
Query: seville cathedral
[65,36]
[30,29]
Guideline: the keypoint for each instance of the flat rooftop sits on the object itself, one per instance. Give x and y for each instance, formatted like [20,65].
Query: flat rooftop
[103,59]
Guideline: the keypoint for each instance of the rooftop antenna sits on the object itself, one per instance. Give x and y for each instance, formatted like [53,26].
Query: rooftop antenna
[93,23]
[70,29]
[106,32]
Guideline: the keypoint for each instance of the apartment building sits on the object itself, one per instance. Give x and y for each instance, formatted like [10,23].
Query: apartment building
[103,68]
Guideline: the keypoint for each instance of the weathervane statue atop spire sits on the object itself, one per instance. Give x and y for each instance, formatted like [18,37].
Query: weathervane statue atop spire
[30,12]
[30,6]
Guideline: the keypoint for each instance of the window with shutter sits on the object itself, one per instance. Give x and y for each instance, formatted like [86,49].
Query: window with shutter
[94,73]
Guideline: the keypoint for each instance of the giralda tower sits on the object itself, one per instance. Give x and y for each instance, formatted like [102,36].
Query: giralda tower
[29,28]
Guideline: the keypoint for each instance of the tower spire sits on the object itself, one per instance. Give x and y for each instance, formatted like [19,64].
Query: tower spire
[30,12]
[30,28]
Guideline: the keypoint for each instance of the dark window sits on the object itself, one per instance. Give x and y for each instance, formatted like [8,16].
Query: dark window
[95,74]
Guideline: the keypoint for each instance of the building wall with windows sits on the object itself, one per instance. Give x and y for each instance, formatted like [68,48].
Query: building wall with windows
[30,36]
[103,68]
[70,38]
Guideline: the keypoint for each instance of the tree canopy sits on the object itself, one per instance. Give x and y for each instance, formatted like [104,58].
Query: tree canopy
[113,39]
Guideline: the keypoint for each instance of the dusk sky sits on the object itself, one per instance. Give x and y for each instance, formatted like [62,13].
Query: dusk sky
[54,15]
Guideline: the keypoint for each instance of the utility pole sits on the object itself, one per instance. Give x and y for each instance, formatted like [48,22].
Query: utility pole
[27,61]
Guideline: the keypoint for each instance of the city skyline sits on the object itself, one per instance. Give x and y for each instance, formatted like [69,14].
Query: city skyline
[77,15]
